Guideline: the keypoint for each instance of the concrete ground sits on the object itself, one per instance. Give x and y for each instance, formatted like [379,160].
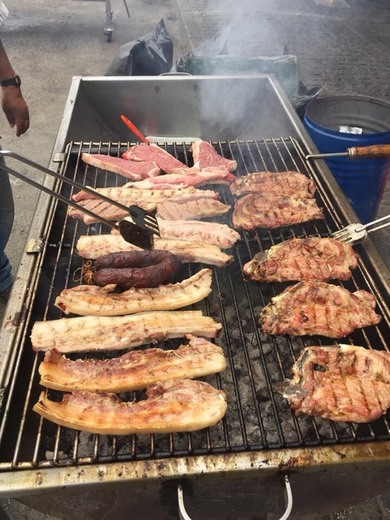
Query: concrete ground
[342,45]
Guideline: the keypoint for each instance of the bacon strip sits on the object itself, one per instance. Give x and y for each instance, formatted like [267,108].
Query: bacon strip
[188,251]
[91,300]
[179,405]
[133,370]
[94,333]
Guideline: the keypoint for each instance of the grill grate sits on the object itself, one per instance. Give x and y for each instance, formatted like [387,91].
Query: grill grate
[257,417]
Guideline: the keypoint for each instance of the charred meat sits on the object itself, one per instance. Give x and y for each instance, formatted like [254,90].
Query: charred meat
[288,184]
[318,308]
[345,383]
[300,259]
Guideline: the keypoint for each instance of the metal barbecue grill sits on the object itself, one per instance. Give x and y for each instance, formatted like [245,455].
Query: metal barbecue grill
[260,436]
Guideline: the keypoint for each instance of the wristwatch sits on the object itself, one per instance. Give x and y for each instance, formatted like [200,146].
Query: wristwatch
[11,82]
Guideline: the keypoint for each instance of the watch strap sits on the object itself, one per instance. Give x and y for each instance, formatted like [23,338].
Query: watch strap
[11,82]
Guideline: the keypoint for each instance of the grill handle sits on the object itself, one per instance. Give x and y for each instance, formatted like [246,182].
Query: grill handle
[184,516]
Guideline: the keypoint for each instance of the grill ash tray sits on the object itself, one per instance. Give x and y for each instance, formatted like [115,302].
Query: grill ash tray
[258,418]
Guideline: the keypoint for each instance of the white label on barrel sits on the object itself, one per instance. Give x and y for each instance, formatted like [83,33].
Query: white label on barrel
[350,129]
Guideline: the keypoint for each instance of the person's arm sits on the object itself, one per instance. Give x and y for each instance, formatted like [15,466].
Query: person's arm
[12,101]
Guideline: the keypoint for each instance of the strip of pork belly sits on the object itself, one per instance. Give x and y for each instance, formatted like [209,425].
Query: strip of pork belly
[206,158]
[193,209]
[192,178]
[344,383]
[210,232]
[178,405]
[300,259]
[101,333]
[289,183]
[152,152]
[146,199]
[91,300]
[133,370]
[130,169]
[93,246]
[318,308]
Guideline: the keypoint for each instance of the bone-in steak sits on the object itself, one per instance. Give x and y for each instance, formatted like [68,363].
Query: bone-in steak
[318,308]
[152,152]
[130,169]
[303,259]
[206,158]
[345,383]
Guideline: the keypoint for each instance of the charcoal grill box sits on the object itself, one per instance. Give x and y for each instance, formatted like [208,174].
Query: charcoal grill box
[247,482]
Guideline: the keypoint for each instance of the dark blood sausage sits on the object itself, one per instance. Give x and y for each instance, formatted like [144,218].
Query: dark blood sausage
[135,269]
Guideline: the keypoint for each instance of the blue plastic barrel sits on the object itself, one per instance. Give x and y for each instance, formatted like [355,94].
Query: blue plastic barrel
[329,121]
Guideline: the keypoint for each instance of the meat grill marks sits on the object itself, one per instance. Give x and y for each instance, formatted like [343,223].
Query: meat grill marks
[345,383]
[300,259]
[133,370]
[288,184]
[187,251]
[90,300]
[179,405]
[103,333]
[130,169]
[146,199]
[273,200]
[318,308]
[192,209]
[260,211]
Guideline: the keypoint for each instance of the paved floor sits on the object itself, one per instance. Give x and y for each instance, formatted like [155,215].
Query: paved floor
[342,45]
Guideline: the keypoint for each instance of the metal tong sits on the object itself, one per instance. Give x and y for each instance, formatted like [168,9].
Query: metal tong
[355,233]
[357,152]
[137,229]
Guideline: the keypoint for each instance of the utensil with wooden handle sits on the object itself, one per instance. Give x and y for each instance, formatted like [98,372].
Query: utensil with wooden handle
[357,152]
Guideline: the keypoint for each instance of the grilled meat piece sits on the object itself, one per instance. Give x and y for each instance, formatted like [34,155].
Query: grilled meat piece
[128,269]
[130,169]
[303,259]
[255,211]
[191,178]
[146,199]
[90,300]
[178,405]
[192,209]
[209,232]
[152,152]
[289,184]
[345,383]
[100,333]
[92,246]
[318,308]
[206,158]
[133,370]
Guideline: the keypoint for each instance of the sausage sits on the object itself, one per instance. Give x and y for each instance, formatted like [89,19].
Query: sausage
[134,269]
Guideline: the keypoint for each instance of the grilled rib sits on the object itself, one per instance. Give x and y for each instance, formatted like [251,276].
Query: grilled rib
[318,308]
[91,300]
[179,405]
[133,370]
[345,383]
[99,333]
[303,259]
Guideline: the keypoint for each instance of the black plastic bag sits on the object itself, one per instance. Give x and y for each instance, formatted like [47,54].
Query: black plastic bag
[150,55]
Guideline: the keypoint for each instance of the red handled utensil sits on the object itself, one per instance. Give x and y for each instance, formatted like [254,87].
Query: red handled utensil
[131,126]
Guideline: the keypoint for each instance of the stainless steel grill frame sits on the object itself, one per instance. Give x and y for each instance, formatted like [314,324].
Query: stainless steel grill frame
[36,456]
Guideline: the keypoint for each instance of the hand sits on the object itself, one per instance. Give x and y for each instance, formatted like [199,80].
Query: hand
[15,109]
